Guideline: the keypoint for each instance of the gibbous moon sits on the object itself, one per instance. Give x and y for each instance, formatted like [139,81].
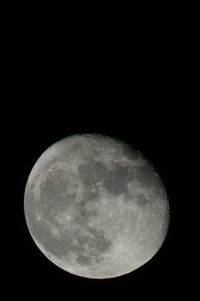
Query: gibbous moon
[95,207]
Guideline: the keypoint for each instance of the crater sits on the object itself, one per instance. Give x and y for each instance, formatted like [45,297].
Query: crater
[141,200]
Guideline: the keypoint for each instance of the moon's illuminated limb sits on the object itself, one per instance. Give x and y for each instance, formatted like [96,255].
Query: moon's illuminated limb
[95,207]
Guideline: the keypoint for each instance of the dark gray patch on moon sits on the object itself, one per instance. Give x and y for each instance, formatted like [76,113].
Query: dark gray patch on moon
[114,181]
[91,194]
[141,200]
[42,232]
[83,259]
[83,215]
[130,153]
[40,221]
[91,242]
[69,198]
[75,149]
[145,175]
[92,172]
[91,246]
[55,185]
[97,244]
[87,206]
[53,192]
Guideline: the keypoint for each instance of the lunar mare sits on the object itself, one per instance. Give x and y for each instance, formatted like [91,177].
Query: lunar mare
[95,207]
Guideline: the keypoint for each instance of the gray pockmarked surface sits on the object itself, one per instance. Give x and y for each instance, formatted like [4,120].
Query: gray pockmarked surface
[96,207]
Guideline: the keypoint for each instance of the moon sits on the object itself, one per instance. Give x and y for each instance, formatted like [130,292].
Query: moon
[96,207]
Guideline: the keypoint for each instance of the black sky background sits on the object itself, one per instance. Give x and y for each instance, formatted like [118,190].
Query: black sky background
[137,92]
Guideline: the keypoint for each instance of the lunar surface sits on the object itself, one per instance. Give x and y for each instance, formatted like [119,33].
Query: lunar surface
[96,207]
